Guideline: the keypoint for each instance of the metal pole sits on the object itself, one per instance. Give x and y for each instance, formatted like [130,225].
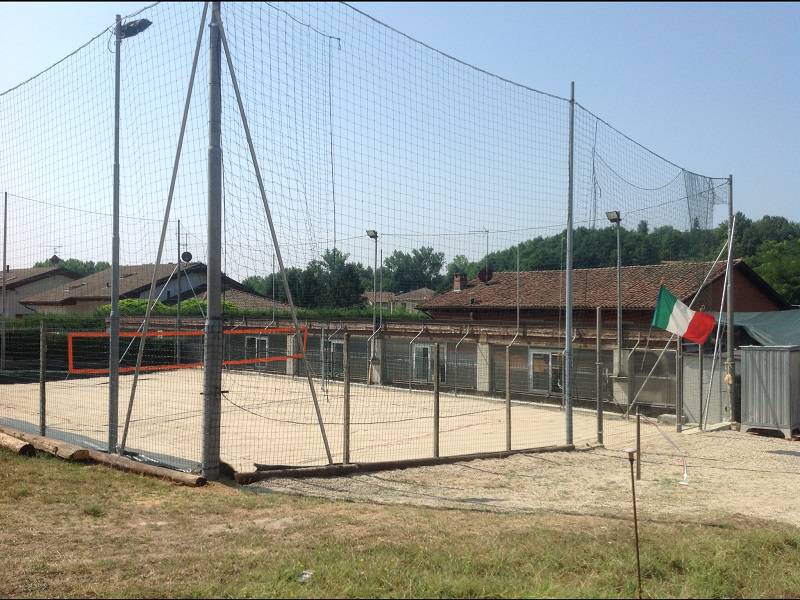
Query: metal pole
[597,375]
[212,367]
[730,365]
[508,397]
[679,387]
[700,364]
[436,400]
[113,354]
[380,290]
[322,357]
[346,401]
[375,290]
[635,521]
[178,305]
[619,300]
[568,308]
[42,377]
[638,443]
[5,271]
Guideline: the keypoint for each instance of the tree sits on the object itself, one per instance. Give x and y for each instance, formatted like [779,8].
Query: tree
[779,264]
[421,268]
[79,267]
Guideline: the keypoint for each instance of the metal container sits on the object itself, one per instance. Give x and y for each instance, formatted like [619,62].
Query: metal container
[771,388]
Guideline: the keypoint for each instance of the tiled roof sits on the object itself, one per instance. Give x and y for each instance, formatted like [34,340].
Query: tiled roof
[420,294]
[97,286]
[382,296]
[248,300]
[591,287]
[16,277]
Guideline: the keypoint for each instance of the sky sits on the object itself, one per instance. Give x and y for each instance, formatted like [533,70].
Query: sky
[712,87]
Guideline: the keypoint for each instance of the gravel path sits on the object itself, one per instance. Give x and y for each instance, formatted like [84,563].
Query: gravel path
[729,474]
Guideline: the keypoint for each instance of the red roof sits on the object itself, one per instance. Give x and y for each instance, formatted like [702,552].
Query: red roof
[591,287]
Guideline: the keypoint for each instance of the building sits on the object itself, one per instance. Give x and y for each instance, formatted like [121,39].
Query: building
[23,283]
[84,296]
[541,293]
[383,300]
[410,300]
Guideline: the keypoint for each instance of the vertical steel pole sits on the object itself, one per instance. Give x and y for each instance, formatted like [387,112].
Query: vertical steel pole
[679,387]
[619,300]
[508,397]
[598,375]
[212,367]
[730,365]
[436,400]
[113,354]
[638,443]
[178,305]
[322,357]
[380,290]
[568,294]
[700,364]
[346,400]
[5,271]
[42,377]
[375,289]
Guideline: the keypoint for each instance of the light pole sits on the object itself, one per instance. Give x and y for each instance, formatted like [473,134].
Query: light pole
[121,32]
[371,233]
[615,217]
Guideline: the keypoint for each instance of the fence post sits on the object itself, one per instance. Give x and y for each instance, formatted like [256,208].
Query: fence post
[346,400]
[508,397]
[42,377]
[598,376]
[679,387]
[638,443]
[436,400]
[700,369]
[5,266]
[567,366]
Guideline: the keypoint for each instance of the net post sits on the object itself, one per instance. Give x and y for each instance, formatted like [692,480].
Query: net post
[638,443]
[178,305]
[730,365]
[212,367]
[346,399]
[436,400]
[42,377]
[568,267]
[598,374]
[679,386]
[113,354]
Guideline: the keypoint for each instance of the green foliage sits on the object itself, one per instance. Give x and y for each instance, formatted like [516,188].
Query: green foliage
[132,307]
[779,264]
[404,271]
[80,267]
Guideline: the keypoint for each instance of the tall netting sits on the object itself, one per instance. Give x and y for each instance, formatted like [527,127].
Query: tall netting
[400,181]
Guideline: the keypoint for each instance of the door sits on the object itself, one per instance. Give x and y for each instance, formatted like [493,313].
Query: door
[423,360]
[538,371]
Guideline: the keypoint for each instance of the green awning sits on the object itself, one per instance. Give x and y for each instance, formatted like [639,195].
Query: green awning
[773,328]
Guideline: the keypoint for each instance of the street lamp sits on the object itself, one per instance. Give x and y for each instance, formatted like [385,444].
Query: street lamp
[121,32]
[372,234]
[615,217]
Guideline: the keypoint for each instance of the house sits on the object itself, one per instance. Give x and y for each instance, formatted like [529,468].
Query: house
[249,301]
[23,283]
[541,293]
[383,300]
[84,296]
[410,300]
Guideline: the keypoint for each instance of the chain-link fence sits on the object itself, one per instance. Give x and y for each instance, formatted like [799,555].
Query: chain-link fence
[397,179]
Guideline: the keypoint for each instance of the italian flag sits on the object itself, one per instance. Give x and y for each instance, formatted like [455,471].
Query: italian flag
[674,316]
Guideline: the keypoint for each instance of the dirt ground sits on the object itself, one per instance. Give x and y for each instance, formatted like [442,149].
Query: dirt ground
[729,474]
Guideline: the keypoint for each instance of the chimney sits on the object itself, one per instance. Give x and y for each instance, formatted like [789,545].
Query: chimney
[459,282]
[485,274]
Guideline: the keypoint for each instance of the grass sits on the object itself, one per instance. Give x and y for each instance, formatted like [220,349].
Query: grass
[74,530]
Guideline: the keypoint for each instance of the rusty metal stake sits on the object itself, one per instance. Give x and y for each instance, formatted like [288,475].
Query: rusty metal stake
[631,452]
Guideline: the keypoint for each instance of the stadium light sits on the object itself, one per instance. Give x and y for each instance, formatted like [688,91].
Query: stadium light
[128,30]
[615,217]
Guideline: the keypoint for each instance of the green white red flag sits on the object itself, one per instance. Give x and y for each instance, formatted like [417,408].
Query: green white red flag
[674,316]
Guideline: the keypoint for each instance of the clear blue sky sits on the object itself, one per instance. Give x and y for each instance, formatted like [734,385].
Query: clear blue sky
[713,87]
